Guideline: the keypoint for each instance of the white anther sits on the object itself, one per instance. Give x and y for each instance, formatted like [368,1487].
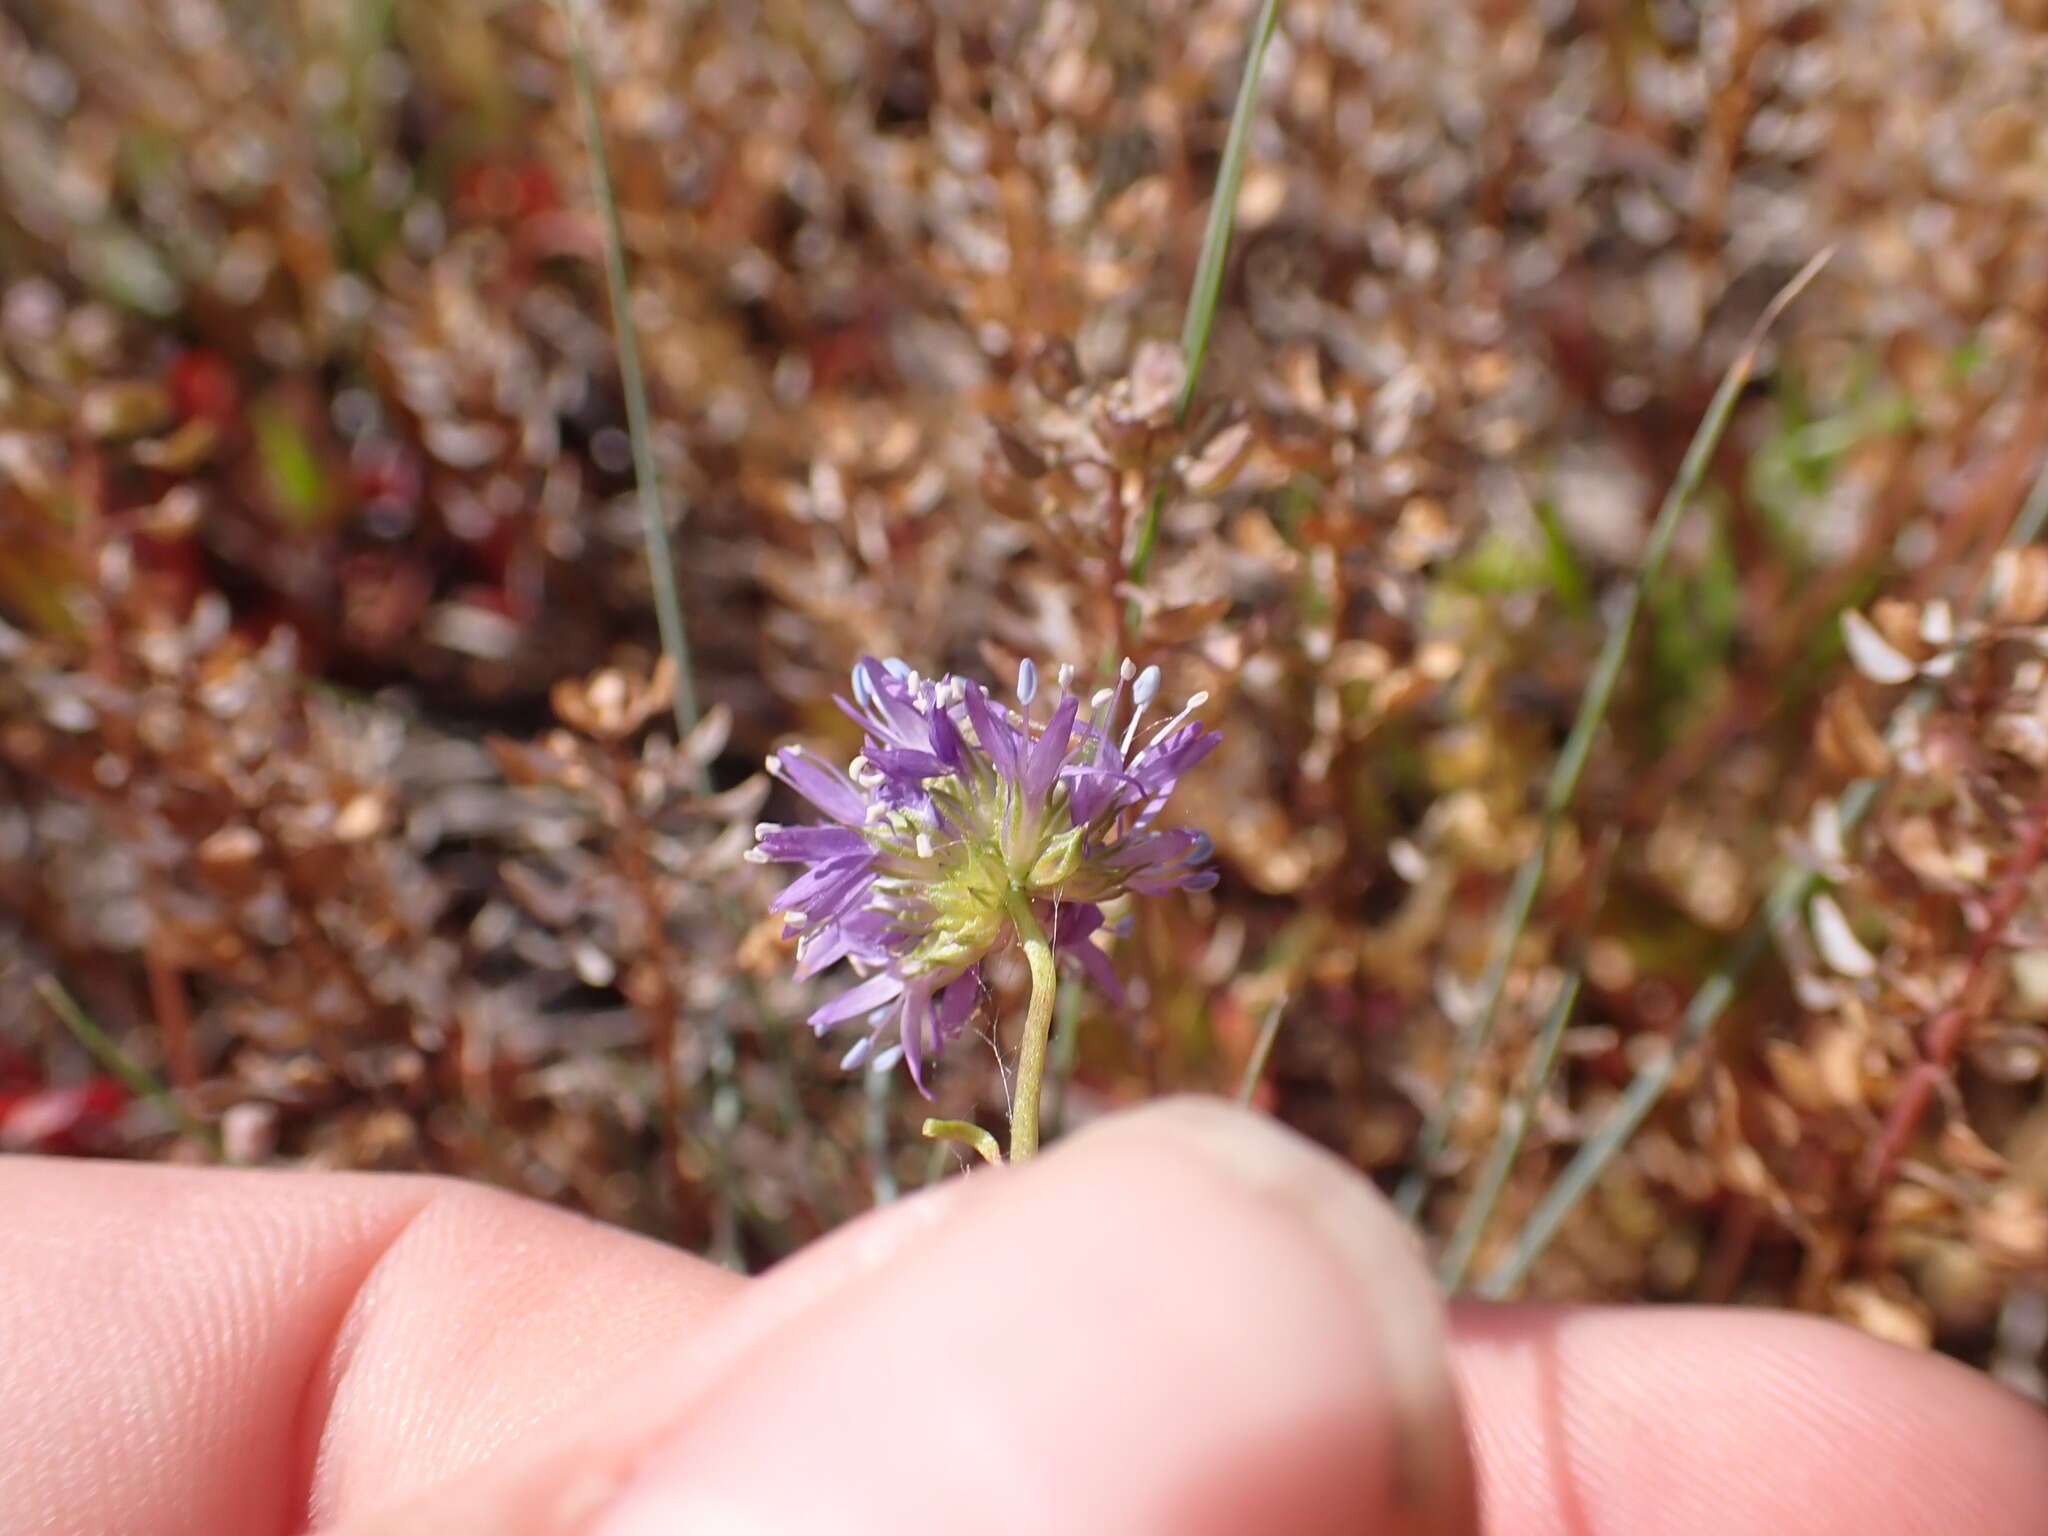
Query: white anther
[1027,680]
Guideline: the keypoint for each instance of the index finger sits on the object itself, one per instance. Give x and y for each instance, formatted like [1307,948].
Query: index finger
[200,1351]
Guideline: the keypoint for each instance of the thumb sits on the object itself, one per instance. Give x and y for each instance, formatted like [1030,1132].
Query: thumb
[1185,1320]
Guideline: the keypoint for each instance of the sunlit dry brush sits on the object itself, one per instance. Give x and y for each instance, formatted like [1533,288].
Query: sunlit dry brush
[315,476]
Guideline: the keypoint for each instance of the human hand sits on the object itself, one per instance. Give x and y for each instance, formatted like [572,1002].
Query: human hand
[1183,1321]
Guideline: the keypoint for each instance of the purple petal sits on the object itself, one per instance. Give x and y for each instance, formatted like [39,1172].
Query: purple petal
[947,744]
[906,764]
[1107,753]
[856,1001]
[956,1005]
[823,785]
[1155,884]
[1092,791]
[1049,751]
[1101,972]
[862,934]
[998,738]
[1073,921]
[1168,845]
[890,709]
[1162,763]
[914,1026]
[822,890]
[810,845]
[1072,928]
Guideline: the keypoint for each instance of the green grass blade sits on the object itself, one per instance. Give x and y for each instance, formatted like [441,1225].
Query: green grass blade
[661,565]
[1788,895]
[131,1074]
[1255,1067]
[1199,320]
[1708,1004]
[1578,747]
[1208,287]
[668,603]
[878,1092]
[1507,1145]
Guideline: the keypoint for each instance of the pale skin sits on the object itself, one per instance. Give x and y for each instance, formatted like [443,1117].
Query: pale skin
[1183,1322]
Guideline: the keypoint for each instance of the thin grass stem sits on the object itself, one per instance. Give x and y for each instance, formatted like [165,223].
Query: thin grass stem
[1788,895]
[878,1092]
[131,1074]
[668,603]
[1571,761]
[661,565]
[1255,1065]
[1199,319]
[1507,1145]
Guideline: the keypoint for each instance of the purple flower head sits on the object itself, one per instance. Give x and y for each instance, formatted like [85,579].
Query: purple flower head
[959,806]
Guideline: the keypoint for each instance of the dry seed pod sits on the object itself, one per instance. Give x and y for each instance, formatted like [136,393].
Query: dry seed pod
[1873,655]
[2019,586]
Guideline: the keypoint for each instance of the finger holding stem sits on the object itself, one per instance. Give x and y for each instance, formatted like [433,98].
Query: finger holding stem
[1037,1025]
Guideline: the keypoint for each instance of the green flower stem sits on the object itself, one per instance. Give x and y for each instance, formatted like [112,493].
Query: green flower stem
[1037,1025]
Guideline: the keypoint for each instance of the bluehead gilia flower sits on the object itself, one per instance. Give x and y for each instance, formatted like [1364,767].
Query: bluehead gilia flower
[958,806]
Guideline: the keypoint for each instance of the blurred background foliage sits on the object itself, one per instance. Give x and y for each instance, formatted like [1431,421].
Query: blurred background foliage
[337,783]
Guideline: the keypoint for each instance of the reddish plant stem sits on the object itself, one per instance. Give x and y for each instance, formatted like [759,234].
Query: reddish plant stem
[1945,1032]
[659,1011]
[173,1016]
[1734,1239]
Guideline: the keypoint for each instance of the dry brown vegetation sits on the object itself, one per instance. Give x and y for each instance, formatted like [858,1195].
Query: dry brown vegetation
[337,778]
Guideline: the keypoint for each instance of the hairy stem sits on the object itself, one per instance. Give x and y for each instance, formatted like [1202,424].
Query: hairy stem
[1037,1025]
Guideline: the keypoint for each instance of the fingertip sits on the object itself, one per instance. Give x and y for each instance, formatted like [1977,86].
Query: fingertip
[1689,1421]
[1187,1320]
